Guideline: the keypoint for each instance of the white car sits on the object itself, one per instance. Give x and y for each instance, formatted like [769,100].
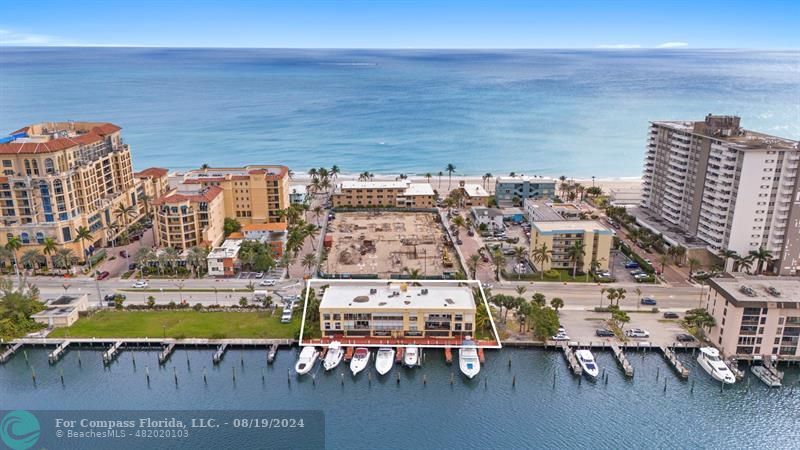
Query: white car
[560,337]
[267,283]
[141,284]
[637,333]
[260,275]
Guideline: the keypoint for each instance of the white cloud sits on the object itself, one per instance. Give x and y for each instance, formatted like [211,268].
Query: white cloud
[618,46]
[10,37]
[673,45]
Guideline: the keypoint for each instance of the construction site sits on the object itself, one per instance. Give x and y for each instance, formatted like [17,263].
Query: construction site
[387,244]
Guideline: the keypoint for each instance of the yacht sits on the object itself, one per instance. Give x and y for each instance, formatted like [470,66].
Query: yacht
[586,360]
[334,355]
[359,361]
[411,357]
[306,361]
[468,360]
[766,375]
[710,361]
[384,360]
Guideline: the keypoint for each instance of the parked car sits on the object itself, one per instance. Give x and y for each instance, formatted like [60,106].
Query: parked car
[102,275]
[671,315]
[559,337]
[648,301]
[141,284]
[123,253]
[459,241]
[636,272]
[631,265]
[267,283]
[604,332]
[637,333]
[486,285]
[470,232]
[683,337]
[132,266]
[260,275]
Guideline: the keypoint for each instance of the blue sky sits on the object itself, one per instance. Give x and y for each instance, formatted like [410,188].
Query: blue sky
[765,24]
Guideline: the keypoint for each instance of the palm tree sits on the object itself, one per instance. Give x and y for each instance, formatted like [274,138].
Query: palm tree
[486,177]
[31,258]
[519,254]
[49,246]
[440,180]
[620,294]
[612,295]
[694,263]
[520,290]
[124,212]
[575,254]
[761,256]
[196,258]
[557,303]
[205,166]
[13,245]
[64,258]
[744,263]
[541,255]
[482,321]
[82,234]
[449,169]
[499,261]
[317,211]
[143,256]
[335,171]
[169,257]
[413,274]
[602,291]
[145,199]
[473,262]
[663,260]
[727,255]
[539,299]
[309,261]
[428,177]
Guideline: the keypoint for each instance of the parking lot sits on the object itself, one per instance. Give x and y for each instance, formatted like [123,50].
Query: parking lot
[581,326]
[275,274]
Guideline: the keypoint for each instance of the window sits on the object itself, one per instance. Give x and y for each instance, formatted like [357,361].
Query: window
[25,238]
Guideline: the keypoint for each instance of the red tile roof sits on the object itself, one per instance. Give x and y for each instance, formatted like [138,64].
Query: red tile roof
[96,134]
[152,172]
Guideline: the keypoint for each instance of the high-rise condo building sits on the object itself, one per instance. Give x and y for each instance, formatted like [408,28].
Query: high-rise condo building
[729,187]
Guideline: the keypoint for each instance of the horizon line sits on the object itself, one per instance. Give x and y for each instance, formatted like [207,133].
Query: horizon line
[596,48]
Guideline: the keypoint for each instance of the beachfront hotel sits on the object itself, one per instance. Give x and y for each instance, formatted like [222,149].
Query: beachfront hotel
[59,176]
[250,194]
[726,187]
[512,190]
[397,310]
[560,235]
[755,315]
[388,194]
[188,216]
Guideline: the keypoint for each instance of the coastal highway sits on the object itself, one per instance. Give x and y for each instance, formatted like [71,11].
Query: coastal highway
[575,295]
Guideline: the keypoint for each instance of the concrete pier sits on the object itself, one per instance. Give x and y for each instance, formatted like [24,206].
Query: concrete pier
[59,351]
[571,359]
[622,360]
[9,352]
[163,357]
[112,352]
[673,361]
[219,353]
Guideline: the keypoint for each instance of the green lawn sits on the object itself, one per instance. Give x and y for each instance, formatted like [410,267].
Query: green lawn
[182,324]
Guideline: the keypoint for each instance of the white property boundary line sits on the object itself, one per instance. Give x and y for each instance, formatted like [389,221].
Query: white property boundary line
[324,281]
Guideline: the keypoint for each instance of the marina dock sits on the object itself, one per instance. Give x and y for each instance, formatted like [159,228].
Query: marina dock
[163,357]
[9,352]
[217,358]
[448,355]
[112,352]
[481,356]
[623,361]
[669,355]
[398,355]
[348,354]
[569,355]
[56,354]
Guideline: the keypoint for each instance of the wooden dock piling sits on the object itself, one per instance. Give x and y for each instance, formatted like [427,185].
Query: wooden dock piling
[56,354]
[163,357]
[448,355]
[622,360]
[112,352]
[9,352]
[571,359]
[669,355]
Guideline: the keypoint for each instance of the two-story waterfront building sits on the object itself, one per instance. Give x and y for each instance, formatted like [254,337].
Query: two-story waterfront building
[513,190]
[397,310]
[559,236]
[387,194]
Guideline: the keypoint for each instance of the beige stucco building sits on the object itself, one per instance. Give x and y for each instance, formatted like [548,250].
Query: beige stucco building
[559,236]
[152,184]
[397,310]
[191,215]
[250,194]
[59,176]
[755,316]
[393,194]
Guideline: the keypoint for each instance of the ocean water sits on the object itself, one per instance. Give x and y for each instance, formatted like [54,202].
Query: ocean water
[487,412]
[548,112]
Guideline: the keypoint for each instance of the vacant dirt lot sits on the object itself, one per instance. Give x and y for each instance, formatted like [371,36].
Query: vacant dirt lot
[388,243]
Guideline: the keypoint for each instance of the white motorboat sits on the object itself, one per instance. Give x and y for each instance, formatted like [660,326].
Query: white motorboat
[384,360]
[359,361]
[334,356]
[411,356]
[468,360]
[710,361]
[767,376]
[587,362]
[306,361]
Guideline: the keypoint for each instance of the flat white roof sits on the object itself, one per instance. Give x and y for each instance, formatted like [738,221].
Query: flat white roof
[559,226]
[523,178]
[374,184]
[475,190]
[228,249]
[419,189]
[387,298]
